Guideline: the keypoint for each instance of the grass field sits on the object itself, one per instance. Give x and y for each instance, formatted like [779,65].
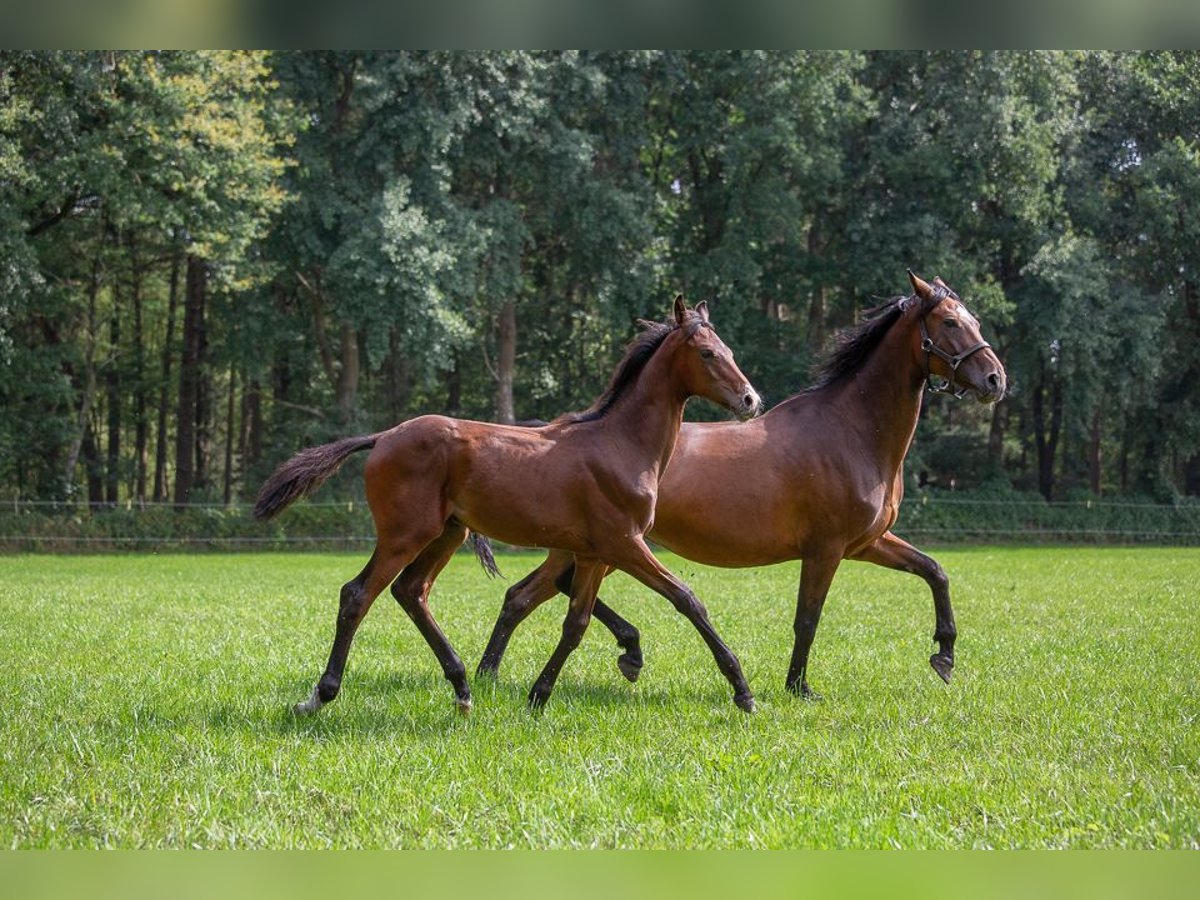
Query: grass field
[147,705]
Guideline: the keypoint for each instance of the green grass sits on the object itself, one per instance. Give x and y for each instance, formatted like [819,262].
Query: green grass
[147,699]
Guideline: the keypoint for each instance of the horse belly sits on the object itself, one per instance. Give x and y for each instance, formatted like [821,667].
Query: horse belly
[732,535]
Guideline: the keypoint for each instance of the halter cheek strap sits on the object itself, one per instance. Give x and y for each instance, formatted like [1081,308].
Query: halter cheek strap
[945,386]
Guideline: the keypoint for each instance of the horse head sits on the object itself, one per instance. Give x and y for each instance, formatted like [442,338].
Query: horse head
[706,366]
[953,347]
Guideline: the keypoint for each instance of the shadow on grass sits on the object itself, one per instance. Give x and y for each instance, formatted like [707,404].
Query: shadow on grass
[378,703]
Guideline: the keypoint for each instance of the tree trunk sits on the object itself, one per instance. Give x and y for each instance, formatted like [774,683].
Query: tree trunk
[506,360]
[89,388]
[92,466]
[996,432]
[817,308]
[1095,456]
[399,379]
[227,486]
[160,440]
[112,382]
[189,381]
[1045,433]
[346,387]
[453,380]
[141,425]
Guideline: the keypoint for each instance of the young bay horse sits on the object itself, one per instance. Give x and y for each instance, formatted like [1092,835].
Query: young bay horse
[817,478]
[584,485]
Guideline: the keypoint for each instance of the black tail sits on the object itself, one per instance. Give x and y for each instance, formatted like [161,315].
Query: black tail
[483,552]
[305,472]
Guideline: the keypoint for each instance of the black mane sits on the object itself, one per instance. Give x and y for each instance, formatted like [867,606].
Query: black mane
[637,354]
[854,345]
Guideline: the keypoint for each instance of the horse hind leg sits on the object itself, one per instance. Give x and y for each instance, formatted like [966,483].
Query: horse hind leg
[627,636]
[411,591]
[519,601]
[355,600]
[588,573]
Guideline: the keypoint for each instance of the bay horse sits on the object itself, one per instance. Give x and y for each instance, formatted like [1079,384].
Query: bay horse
[584,485]
[817,478]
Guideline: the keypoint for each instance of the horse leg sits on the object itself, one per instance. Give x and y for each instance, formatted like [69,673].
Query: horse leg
[638,561]
[816,574]
[356,598]
[627,637]
[893,553]
[411,591]
[519,601]
[584,584]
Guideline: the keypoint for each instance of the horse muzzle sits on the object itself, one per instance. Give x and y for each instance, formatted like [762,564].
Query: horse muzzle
[748,405]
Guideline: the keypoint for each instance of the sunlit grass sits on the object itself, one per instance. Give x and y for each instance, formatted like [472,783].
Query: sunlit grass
[148,705]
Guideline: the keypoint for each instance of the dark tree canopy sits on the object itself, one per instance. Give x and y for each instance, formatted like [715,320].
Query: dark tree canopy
[210,260]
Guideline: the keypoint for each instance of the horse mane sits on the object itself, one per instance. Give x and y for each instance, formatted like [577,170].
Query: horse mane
[637,353]
[853,346]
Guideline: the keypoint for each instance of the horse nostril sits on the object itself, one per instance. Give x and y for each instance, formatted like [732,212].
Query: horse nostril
[993,380]
[748,401]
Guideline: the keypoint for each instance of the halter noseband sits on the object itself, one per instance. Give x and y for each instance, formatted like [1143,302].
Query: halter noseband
[945,386]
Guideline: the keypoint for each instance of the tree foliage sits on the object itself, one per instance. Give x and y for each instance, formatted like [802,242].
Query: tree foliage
[210,259]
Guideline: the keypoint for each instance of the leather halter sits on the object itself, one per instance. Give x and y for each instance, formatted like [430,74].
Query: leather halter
[945,386]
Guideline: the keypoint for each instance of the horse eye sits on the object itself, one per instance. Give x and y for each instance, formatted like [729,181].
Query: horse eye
[950,323]
[706,354]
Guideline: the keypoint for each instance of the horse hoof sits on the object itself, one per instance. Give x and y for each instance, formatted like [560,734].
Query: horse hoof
[744,702]
[942,666]
[631,668]
[463,706]
[309,706]
[487,672]
[537,700]
[804,692]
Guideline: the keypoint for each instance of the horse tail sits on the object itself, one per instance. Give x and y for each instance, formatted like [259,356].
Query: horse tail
[483,552]
[305,472]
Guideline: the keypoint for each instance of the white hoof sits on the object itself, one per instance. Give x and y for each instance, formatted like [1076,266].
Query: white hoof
[309,706]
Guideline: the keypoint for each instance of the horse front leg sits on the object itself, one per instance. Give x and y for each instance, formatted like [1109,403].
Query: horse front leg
[891,552]
[553,576]
[816,574]
[638,561]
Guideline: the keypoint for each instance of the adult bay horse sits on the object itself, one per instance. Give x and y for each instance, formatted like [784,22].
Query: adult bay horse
[817,478]
[585,485]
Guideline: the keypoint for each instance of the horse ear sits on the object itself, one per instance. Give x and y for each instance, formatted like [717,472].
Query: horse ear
[702,310]
[922,288]
[680,309]
[937,279]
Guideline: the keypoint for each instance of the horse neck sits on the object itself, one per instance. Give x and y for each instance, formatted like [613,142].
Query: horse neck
[887,389]
[647,416]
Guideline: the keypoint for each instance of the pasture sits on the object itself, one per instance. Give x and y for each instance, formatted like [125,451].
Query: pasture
[147,705]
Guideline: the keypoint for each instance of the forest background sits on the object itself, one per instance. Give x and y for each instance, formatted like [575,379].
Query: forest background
[213,259]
